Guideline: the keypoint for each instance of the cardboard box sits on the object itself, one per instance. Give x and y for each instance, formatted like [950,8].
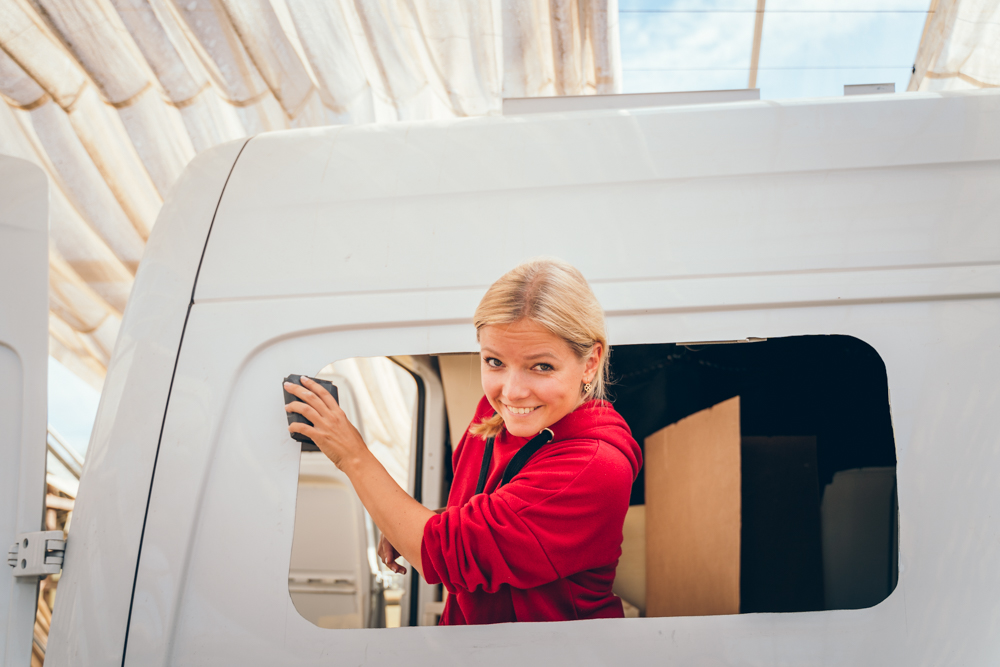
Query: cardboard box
[693,482]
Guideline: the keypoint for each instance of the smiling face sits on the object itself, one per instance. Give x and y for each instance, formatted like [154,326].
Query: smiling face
[532,377]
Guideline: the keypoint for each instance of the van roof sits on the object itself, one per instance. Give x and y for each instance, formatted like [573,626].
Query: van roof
[662,193]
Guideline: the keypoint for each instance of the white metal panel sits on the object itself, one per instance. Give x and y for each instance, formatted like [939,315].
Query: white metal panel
[229,439]
[869,88]
[872,218]
[222,446]
[514,106]
[24,284]
[90,620]
[752,187]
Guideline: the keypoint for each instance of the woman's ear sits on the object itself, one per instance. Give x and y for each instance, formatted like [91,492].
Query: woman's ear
[593,362]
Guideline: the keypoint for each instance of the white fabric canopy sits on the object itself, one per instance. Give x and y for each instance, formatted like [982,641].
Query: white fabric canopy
[960,47]
[114,97]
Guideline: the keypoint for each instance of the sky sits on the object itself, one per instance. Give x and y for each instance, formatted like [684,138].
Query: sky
[809,48]
[72,406]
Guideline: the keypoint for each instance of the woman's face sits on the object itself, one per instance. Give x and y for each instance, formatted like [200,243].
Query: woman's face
[532,377]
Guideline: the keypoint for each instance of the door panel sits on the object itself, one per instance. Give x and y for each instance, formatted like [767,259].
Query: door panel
[95,592]
[23,357]
[18,596]
[225,444]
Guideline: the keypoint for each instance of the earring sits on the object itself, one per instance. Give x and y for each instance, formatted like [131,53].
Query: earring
[586,387]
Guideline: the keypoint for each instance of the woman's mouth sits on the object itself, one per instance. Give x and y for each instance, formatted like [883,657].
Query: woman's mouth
[520,411]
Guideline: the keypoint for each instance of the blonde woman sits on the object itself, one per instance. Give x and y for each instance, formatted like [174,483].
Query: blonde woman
[533,526]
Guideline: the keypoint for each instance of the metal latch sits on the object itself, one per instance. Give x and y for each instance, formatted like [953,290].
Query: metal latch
[37,554]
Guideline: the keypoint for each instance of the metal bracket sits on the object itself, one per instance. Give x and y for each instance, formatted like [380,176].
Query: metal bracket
[37,554]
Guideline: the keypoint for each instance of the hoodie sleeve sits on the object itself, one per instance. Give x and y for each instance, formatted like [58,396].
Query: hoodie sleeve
[561,515]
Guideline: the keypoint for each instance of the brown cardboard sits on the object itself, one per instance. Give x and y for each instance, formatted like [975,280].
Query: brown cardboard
[460,377]
[693,486]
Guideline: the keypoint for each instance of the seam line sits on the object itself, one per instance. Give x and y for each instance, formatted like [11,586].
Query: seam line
[166,407]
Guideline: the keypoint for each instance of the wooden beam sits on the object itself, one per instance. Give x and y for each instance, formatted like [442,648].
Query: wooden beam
[758,29]
[59,503]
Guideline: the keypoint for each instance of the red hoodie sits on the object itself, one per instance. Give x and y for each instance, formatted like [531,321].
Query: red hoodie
[543,547]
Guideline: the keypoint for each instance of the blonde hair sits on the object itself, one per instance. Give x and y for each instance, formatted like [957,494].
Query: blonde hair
[555,295]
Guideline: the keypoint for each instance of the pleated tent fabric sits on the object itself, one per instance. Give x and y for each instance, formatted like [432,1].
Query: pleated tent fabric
[960,47]
[114,97]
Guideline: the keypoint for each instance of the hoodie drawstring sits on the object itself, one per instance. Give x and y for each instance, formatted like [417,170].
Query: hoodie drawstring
[516,463]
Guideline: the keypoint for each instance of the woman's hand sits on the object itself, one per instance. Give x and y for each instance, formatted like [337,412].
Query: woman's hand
[388,554]
[396,514]
[331,431]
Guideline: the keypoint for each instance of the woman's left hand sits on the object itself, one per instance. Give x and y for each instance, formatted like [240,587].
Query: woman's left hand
[389,555]
[331,431]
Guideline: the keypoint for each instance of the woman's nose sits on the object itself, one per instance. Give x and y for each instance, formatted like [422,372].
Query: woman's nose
[516,388]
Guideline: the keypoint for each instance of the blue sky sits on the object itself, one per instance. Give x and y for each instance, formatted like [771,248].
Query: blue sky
[72,406]
[809,48]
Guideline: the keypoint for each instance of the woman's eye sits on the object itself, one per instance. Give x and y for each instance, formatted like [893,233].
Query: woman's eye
[545,368]
[493,362]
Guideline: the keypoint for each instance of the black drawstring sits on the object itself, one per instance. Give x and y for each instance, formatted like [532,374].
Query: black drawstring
[516,463]
[484,470]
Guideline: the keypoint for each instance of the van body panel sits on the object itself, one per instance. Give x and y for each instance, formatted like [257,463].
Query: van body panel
[873,218]
[770,187]
[24,317]
[89,622]
[228,589]
[195,541]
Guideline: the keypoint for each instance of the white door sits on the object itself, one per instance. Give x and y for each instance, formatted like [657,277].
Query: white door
[222,519]
[24,267]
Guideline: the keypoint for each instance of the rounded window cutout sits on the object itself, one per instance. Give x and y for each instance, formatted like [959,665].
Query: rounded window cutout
[768,484]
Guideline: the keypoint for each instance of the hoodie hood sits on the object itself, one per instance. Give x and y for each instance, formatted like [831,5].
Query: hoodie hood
[598,420]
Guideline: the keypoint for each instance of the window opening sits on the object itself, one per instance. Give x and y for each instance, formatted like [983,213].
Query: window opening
[811,462]
[335,578]
[818,517]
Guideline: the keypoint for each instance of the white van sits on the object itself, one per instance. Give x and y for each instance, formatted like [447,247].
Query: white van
[852,243]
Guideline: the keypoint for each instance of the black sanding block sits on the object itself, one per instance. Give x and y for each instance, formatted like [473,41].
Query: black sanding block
[307,444]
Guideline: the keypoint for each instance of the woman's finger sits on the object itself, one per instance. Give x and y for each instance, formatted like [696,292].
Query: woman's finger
[385,550]
[332,432]
[388,554]
[304,395]
[307,411]
[304,429]
[394,566]
[321,393]
[295,406]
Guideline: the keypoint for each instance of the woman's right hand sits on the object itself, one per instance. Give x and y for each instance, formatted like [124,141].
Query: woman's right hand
[388,554]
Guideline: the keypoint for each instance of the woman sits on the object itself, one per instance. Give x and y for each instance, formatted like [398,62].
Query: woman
[538,544]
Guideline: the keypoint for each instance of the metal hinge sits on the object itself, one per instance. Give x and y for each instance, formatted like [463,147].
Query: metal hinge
[692,345]
[37,554]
